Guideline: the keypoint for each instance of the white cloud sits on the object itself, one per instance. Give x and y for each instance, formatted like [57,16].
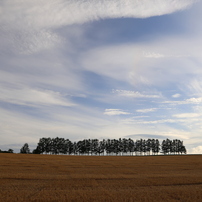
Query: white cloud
[194,100]
[187,115]
[112,112]
[153,55]
[196,150]
[176,95]
[33,97]
[146,110]
[55,13]
[28,40]
[36,41]
[161,121]
[30,26]
[49,71]
[134,94]
[194,86]
[127,62]
[187,101]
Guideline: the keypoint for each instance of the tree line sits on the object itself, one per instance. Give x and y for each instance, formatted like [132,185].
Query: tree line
[9,151]
[106,147]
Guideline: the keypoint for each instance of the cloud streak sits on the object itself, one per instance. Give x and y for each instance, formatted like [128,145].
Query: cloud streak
[54,13]
[34,22]
[113,112]
[33,97]
[187,115]
[146,110]
[134,94]
[193,101]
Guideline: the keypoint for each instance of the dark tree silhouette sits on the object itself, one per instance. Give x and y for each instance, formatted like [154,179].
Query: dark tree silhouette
[9,151]
[25,149]
[109,147]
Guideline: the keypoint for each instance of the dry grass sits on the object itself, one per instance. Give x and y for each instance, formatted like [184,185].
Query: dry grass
[93,178]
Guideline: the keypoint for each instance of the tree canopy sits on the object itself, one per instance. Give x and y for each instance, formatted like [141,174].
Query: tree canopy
[25,149]
[108,147]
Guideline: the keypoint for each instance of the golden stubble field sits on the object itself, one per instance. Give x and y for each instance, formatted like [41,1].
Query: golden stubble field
[27,177]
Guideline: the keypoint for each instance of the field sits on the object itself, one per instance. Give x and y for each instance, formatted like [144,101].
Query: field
[28,177]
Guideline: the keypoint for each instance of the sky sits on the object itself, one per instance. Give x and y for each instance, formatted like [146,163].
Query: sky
[100,69]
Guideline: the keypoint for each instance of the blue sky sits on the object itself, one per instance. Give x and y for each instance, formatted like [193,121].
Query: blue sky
[100,69]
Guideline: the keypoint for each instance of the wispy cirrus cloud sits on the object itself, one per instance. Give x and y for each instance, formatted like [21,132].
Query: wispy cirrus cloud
[146,110]
[114,112]
[34,22]
[33,97]
[63,12]
[192,100]
[147,64]
[187,115]
[153,55]
[176,95]
[134,94]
